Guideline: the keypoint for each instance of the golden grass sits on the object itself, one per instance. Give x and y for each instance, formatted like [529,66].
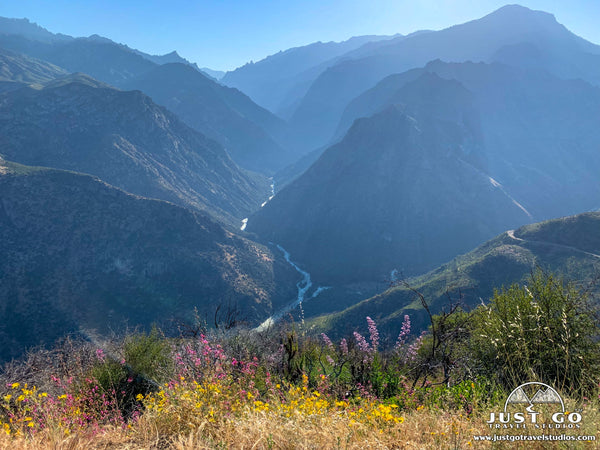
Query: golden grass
[423,429]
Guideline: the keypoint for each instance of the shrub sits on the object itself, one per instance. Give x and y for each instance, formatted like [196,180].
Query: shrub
[145,363]
[544,331]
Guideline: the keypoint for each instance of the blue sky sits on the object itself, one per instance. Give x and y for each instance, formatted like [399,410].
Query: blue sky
[224,34]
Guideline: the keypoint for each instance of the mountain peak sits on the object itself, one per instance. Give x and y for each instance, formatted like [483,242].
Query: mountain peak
[518,12]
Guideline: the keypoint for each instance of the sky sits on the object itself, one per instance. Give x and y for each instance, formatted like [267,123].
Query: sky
[225,34]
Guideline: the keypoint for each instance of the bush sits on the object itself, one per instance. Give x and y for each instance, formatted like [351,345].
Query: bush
[544,331]
[145,363]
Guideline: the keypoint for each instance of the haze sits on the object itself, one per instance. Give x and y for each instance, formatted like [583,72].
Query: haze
[226,34]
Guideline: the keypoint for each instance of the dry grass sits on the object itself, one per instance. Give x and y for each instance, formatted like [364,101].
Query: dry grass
[424,429]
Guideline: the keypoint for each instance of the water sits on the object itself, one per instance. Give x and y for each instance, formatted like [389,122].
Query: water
[303,286]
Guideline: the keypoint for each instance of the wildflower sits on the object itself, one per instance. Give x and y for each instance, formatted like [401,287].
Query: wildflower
[404,332]
[363,346]
[327,341]
[412,351]
[373,332]
[100,355]
[344,347]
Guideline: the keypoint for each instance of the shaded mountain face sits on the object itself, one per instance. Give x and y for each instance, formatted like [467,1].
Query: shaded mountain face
[400,191]
[100,58]
[21,69]
[221,113]
[569,246]
[216,74]
[167,58]
[29,38]
[317,116]
[541,133]
[128,141]
[29,30]
[280,80]
[79,255]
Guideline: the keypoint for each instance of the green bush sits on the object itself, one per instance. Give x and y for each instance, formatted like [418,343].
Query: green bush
[149,355]
[145,363]
[544,331]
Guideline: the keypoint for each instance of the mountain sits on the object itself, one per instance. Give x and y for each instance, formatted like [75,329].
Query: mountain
[21,69]
[216,74]
[100,58]
[405,189]
[29,30]
[128,141]
[95,55]
[167,58]
[221,113]
[569,246]
[81,256]
[174,57]
[541,132]
[492,37]
[281,79]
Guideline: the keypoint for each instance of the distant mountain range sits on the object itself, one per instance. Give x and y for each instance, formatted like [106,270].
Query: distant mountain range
[18,70]
[405,189]
[81,256]
[391,155]
[541,132]
[568,246]
[251,134]
[221,113]
[279,81]
[507,146]
[79,124]
[495,37]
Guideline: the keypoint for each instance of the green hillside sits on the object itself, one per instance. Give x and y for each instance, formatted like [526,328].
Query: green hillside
[569,246]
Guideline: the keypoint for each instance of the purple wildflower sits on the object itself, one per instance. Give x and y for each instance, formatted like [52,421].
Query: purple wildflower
[404,332]
[344,347]
[363,346]
[328,342]
[412,351]
[373,332]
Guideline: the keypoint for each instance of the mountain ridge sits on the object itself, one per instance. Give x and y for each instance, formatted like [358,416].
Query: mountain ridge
[568,246]
[477,40]
[130,142]
[81,255]
[370,203]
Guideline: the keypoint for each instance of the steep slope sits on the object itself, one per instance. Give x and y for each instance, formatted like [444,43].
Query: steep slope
[167,58]
[25,37]
[216,74]
[569,246]
[281,79]
[541,132]
[129,142]
[400,191]
[98,57]
[29,30]
[479,40]
[221,113]
[79,255]
[21,69]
